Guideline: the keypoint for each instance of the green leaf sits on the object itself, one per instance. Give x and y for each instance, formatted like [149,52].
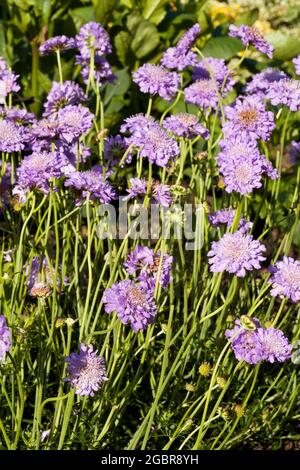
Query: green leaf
[122,45]
[153,10]
[248,18]
[119,87]
[222,47]
[83,14]
[286,47]
[103,10]
[132,21]
[158,16]
[146,39]
[2,41]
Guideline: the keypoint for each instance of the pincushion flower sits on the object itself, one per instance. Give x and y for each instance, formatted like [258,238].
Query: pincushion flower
[57,43]
[285,92]
[5,338]
[226,216]
[202,93]
[92,184]
[251,35]
[160,193]
[12,136]
[236,253]
[74,121]
[86,371]
[8,81]
[274,345]
[249,116]
[185,125]
[210,66]
[132,302]
[156,80]
[244,342]
[63,94]
[19,116]
[92,37]
[180,56]
[285,279]
[260,82]
[114,149]
[102,71]
[145,262]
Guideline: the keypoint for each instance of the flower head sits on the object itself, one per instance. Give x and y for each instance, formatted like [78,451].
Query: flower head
[114,149]
[244,342]
[202,93]
[91,183]
[160,193]
[180,56]
[86,371]
[251,35]
[218,69]
[5,338]
[156,80]
[132,302]
[74,121]
[92,37]
[58,43]
[185,125]
[8,81]
[236,253]
[274,345]
[261,82]
[12,136]
[285,92]
[61,95]
[226,216]
[285,279]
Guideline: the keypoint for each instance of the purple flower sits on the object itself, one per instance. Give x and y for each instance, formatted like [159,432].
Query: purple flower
[218,69]
[57,43]
[274,345]
[91,183]
[181,56]
[285,279]
[185,125]
[86,371]
[226,216]
[37,169]
[74,121]
[92,37]
[260,82]
[114,149]
[11,136]
[156,80]
[8,81]
[236,253]
[244,342]
[20,116]
[160,193]
[250,117]
[5,338]
[61,95]
[251,35]
[153,141]
[296,63]
[285,92]
[132,302]
[202,93]
[146,263]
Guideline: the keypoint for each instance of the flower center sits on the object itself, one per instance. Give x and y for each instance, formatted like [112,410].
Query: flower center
[137,297]
[8,131]
[243,173]
[248,116]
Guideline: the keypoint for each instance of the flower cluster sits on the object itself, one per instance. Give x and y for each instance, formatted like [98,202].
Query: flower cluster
[181,56]
[185,125]
[227,216]
[285,279]
[217,71]
[156,80]
[57,43]
[251,35]
[90,183]
[285,92]
[5,338]
[8,81]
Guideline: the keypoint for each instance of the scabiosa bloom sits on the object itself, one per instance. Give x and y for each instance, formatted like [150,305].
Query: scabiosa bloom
[226,216]
[5,338]
[102,69]
[20,116]
[74,121]
[181,56]
[218,69]
[285,279]
[114,149]
[8,81]
[185,125]
[91,183]
[86,371]
[244,342]
[251,35]
[274,345]
[11,136]
[296,63]
[156,80]
[286,92]
[145,262]
[249,116]
[92,37]
[58,43]
[63,94]
[236,253]
[260,82]
[160,193]
[202,93]
[136,123]
[132,302]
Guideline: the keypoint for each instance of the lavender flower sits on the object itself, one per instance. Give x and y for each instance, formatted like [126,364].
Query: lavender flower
[86,371]
[156,80]
[285,92]
[236,253]
[181,56]
[274,345]
[136,123]
[102,71]
[114,149]
[132,302]
[226,216]
[202,93]
[185,125]
[5,338]
[244,342]
[260,82]
[92,37]
[146,263]
[251,35]
[57,43]
[61,95]
[296,63]
[20,116]
[250,117]
[74,121]
[285,279]
[160,193]
[91,183]
[8,81]
[218,69]
[11,136]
